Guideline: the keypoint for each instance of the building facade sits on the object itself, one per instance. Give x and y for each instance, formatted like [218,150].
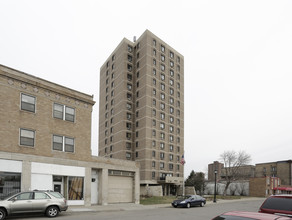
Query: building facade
[141,113]
[45,134]
[281,169]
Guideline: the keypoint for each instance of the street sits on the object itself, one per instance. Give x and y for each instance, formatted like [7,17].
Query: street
[168,212]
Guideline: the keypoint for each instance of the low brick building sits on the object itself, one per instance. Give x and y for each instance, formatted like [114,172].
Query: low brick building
[45,134]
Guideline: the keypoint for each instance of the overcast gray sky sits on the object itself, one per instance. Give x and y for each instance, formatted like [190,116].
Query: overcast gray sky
[238,72]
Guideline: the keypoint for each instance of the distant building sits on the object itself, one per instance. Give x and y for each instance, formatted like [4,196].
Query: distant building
[281,169]
[216,165]
[45,133]
[141,111]
[263,186]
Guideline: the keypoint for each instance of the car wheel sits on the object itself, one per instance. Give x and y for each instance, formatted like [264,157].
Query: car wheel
[52,211]
[202,204]
[2,214]
[188,205]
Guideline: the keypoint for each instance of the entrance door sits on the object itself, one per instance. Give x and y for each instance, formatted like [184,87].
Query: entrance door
[94,187]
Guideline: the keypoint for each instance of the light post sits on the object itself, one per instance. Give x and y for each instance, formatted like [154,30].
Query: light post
[215,172]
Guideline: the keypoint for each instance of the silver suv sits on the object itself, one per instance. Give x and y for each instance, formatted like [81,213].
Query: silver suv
[48,202]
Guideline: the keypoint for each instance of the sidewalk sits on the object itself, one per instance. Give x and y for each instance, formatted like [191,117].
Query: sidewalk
[132,206]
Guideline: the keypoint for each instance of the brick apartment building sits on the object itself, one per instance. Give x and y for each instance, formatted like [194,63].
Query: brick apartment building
[45,134]
[141,111]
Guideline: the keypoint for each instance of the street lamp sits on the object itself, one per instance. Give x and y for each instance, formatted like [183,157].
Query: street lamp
[215,172]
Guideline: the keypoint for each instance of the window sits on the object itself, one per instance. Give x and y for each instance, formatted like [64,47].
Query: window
[27,137]
[162,77]
[137,134]
[154,102]
[162,125]
[154,92]
[128,145]
[154,62]
[153,163]
[171,129]
[129,96]
[161,165]
[162,67]
[136,154]
[153,143]
[178,59]
[137,144]
[171,63]
[162,96]
[154,42]
[171,110]
[171,148]
[162,116]
[138,65]
[130,48]
[113,66]
[28,103]
[137,104]
[162,86]
[171,138]
[162,48]
[112,102]
[154,81]
[171,119]
[154,122]
[129,125]
[153,133]
[138,55]
[129,77]
[153,175]
[161,156]
[162,136]
[153,153]
[129,68]
[154,52]
[128,156]
[129,116]
[170,166]
[154,112]
[171,100]
[62,143]
[171,73]
[162,106]
[129,106]
[112,93]
[128,136]
[130,58]
[162,58]
[113,57]
[171,91]
[171,82]
[129,86]
[162,145]
[171,54]
[154,71]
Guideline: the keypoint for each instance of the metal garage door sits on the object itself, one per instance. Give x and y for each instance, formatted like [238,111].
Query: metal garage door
[120,189]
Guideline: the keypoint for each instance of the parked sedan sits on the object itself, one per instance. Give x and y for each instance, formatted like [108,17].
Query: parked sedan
[48,202]
[234,215]
[278,204]
[189,201]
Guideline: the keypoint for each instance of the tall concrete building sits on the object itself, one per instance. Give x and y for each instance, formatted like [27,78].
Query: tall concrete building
[141,111]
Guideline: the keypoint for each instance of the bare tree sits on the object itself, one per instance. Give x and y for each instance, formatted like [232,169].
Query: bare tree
[233,163]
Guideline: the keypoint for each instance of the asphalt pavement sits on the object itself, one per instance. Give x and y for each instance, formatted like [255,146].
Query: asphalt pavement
[132,206]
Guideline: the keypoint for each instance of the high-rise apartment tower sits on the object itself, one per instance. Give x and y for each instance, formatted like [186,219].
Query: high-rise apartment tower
[141,111]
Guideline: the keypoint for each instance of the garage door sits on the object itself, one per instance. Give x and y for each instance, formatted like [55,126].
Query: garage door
[120,189]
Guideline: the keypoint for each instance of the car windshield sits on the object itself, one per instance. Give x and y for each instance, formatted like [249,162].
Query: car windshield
[183,197]
[56,194]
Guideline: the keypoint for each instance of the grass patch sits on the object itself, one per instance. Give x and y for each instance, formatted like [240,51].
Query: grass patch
[156,200]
